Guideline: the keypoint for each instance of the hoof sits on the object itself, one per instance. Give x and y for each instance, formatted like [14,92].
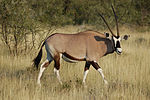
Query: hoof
[39,84]
[105,82]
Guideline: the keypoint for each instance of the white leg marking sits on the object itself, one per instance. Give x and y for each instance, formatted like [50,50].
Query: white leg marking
[57,74]
[41,72]
[101,72]
[60,58]
[85,74]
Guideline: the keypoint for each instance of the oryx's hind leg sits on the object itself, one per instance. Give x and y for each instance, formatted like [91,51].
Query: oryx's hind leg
[57,67]
[42,68]
[97,67]
[86,70]
[44,65]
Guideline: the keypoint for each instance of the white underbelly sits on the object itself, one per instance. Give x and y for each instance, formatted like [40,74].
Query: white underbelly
[69,60]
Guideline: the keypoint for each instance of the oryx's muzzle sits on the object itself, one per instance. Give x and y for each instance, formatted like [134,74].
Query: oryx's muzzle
[119,50]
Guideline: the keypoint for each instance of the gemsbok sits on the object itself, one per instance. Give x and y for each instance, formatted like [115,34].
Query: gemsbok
[86,46]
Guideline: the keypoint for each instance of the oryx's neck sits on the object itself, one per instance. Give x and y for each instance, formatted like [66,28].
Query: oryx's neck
[110,46]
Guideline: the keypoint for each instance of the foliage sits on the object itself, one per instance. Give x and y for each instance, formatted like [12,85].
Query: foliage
[18,24]
[63,12]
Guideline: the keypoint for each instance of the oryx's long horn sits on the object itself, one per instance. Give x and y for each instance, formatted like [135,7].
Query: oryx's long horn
[107,25]
[115,20]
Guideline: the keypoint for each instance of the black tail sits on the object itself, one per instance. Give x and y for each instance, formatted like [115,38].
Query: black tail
[39,56]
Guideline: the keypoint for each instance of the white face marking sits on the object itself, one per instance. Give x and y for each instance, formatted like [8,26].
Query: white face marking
[115,40]
[118,49]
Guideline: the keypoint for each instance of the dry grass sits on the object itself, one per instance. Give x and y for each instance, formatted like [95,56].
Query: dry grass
[128,75]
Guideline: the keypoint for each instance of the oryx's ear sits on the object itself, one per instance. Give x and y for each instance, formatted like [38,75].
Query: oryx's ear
[107,35]
[125,37]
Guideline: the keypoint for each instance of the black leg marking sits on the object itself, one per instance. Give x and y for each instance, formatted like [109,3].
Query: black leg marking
[57,62]
[95,65]
[57,67]
[87,66]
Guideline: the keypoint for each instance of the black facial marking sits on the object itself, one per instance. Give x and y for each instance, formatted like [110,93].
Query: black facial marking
[118,44]
[109,43]
[98,38]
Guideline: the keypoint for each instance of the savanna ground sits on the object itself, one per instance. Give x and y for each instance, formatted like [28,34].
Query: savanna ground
[128,74]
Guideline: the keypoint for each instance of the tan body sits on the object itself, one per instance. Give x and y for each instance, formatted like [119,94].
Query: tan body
[82,46]
[86,46]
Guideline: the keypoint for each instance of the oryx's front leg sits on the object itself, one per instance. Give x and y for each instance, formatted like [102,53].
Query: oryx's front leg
[42,68]
[86,70]
[97,67]
[57,67]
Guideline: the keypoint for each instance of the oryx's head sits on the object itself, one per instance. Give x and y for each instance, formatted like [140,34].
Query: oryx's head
[115,38]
